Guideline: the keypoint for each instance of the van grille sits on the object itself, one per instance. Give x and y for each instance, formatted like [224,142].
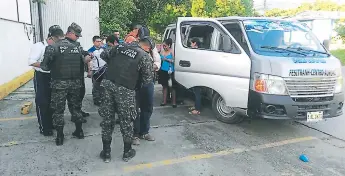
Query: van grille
[310,87]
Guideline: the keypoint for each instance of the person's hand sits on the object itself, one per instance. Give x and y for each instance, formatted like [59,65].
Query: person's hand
[88,58]
[155,67]
[89,74]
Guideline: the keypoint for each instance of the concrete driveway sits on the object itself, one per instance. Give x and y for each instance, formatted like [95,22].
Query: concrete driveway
[185,145]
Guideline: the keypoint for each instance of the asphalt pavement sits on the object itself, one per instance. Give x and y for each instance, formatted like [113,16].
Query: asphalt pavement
[185,145]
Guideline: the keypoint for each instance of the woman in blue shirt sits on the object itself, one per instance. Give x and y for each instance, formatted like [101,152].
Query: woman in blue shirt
[166,73]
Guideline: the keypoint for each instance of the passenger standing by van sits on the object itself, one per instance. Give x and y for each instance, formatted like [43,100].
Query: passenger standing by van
[42,83]
[166,73]
[195,43]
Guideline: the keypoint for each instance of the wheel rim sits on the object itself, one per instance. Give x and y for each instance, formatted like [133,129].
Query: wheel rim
[223,110]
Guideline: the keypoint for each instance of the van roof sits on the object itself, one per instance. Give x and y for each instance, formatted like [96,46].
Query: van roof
[241,19]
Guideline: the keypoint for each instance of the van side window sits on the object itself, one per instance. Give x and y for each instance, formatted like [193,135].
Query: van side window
[166,34]
[236,31]
[172,35]
[203,33]
[227,45]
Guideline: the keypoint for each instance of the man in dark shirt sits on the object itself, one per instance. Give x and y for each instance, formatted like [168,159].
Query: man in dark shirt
[65,60]
[129,67]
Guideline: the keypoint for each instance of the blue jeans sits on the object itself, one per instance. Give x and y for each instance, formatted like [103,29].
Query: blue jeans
[144,98]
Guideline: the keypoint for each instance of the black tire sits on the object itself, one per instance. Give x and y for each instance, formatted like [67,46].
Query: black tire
[225,114]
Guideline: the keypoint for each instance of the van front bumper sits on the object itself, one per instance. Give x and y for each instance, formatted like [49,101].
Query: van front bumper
[284,107]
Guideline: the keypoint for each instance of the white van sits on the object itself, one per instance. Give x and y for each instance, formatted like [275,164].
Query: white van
[261,67]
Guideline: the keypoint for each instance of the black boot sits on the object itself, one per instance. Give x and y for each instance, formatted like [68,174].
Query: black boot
[78,131]
[105,153]
[59,136]
[73,119]
[128,152]
[85,114]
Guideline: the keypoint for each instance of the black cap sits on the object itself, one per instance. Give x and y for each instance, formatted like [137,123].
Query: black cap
[52,29]
[76,29]
[149,41]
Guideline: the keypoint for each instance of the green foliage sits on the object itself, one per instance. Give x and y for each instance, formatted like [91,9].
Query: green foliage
[340,54]
[157,14]
[340,29]
[317,6]
[248,4]
[167,15]
[116,14]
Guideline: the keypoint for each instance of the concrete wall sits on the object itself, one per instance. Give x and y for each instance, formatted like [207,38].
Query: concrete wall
[14,50]
[16,38]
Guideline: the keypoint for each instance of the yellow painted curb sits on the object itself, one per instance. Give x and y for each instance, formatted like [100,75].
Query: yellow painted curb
[9,87]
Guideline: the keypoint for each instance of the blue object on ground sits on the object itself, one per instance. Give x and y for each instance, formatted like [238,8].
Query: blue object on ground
[304,158]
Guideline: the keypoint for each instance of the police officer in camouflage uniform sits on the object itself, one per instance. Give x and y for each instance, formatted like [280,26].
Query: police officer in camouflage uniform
[65,60]
[129,67]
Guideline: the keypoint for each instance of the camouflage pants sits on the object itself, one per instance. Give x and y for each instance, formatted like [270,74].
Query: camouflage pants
[58,104]
[121,100]
[97,91]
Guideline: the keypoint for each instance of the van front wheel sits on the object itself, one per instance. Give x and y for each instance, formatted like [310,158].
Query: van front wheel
[224,113]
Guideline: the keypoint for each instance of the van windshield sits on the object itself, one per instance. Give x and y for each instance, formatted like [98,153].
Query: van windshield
[282,38]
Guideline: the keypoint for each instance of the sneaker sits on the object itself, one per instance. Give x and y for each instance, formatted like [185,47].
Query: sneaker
[147,137]
[136,141]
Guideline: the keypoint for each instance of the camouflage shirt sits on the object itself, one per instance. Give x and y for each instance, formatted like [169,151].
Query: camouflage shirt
[106,53]
[49,55]
[146,69]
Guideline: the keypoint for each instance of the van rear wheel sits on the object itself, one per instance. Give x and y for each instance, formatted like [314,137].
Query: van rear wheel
[224,113]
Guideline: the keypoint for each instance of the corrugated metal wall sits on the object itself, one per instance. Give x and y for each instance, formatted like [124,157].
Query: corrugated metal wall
[64,12]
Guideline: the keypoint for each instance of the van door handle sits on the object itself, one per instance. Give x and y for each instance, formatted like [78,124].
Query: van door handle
[184,63]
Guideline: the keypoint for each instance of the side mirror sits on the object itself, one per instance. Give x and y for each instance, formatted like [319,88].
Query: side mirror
[326,44]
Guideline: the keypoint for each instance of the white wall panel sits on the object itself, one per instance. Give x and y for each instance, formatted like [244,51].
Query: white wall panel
[8,9]
[14,51]
[24,11]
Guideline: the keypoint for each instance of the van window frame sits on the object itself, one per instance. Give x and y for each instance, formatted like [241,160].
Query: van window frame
[190,24]
[166,34]
[172,30]
[244,35]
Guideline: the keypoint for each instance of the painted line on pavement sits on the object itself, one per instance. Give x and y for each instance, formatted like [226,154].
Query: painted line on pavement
[17,118]
[3,119]
[212,155]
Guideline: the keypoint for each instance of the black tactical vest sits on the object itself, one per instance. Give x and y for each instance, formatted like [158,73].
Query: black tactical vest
[68,63]
[123,65]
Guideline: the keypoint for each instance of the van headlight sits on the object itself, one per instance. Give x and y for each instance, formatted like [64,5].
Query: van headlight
[338,85]
[269,84]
